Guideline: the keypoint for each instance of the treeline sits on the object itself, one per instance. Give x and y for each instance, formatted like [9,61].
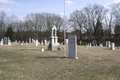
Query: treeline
[93,22]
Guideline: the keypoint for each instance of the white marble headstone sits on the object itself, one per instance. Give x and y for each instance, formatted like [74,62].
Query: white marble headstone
[36,42]
[66,42]
[113,46]
[42,49]
[41,41]
[90,44]
[1,42]
[108,44]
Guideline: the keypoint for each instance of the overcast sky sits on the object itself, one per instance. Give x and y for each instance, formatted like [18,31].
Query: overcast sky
[22,7]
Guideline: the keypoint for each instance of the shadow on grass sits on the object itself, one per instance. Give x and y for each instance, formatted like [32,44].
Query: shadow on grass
[51,57]
[108,49]
[28,49]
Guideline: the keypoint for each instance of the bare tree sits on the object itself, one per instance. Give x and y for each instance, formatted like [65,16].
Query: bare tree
[117,13]
[109,22]
[2,23]
[94,13]
[77,18]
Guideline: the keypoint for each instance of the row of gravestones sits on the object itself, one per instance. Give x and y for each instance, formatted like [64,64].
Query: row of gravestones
[94,43]
[32,41]
[5,41]
[36,42]
[108,44]
[111,45]
[91,44]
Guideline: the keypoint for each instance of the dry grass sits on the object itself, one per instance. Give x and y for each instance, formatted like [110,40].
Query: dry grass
[27,62]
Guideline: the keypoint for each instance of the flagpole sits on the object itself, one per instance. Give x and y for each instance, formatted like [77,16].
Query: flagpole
[64,32]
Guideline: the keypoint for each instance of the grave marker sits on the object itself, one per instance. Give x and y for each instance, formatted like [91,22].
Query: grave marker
[72,46]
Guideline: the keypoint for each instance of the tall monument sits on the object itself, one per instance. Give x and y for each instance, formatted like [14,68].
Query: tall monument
[53,45]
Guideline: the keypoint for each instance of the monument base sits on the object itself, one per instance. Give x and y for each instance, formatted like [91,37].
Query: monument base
[53,47]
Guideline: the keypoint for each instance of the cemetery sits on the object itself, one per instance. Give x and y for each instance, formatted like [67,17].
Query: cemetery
[45,60]
[57,45]
[30,62]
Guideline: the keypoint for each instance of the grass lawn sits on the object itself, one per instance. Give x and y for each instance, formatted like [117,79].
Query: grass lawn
[27,62]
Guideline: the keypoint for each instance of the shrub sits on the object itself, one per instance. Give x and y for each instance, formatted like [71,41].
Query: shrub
[82,43]
[58,48]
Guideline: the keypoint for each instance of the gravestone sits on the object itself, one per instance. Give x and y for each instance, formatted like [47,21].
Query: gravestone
[29,40]
[45,42]
[72,46]
[19,41]
[15,41]
[9,42]
[53,45]
[118,47]
[113,46]
[5,40]
[41,41]
[101,45]
[66,41]
[80,42]
[94,42]
[1,42]
[26,43]
[90,44]
[36,42]
[42,49]
[106,44]
[33,41]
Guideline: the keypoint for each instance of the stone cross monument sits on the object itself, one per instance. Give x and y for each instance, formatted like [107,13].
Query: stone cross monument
[53,45]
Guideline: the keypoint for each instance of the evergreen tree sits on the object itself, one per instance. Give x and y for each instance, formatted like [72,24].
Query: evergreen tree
[98,31]
[117,32]
[9,33]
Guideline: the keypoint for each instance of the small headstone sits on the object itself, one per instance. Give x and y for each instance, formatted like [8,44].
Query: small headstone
[36,42]
[113,46]
[5,40]
[80,42]
[66,42]
[9,42]
[106,43]
[33,41]
[72,46]
[26,43]
[42,49]
[1,42]
[118,47]
[21,43]
[101,45]
[41,41]
[29,40]
[96,44]
[90,44]
[15,41]
[45,42]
